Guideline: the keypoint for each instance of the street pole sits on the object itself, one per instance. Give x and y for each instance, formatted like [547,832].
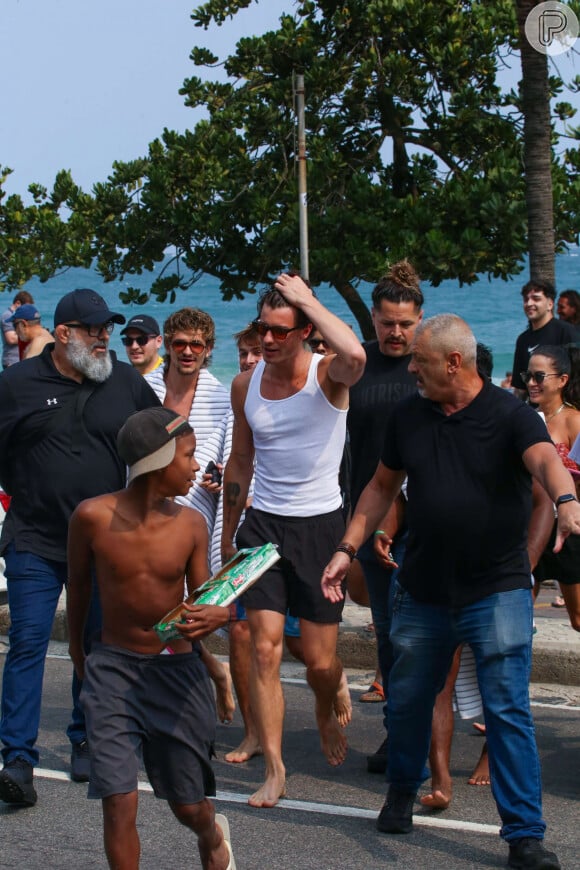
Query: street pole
[302,195]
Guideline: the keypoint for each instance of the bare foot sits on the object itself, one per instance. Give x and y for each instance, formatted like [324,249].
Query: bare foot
[480,775]
[343,703]
[332,740]
[224,697]
[249,747]
[436,800]
[270,793]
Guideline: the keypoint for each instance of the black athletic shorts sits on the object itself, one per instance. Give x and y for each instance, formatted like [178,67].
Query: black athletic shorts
[160,706]
[306,545]
[563,566]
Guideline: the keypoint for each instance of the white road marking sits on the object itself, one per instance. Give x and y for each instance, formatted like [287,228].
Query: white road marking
[361,687]
[553,705]
[311,807]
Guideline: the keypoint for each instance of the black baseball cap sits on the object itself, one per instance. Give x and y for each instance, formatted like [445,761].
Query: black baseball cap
[86,307]
[143,323]
[146,441]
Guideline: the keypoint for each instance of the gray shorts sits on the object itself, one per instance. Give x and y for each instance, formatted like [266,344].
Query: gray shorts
[160,706]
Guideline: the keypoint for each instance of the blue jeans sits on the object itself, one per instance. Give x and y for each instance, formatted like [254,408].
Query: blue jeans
[499,630]
[380,583]
[34,587]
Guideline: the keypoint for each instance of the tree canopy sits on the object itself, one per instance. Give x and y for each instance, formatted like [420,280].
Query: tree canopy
[414,149]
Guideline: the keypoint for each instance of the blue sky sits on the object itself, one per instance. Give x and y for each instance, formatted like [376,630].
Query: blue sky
[84,84]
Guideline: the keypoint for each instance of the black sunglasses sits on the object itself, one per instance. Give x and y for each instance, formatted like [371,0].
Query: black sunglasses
[538,377]
[316,342]
[93,331]
[279,333]
[141,340]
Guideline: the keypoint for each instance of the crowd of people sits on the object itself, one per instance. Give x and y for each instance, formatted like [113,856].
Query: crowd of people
[421,483]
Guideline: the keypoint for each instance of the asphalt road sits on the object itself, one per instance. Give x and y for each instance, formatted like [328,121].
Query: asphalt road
[327,820]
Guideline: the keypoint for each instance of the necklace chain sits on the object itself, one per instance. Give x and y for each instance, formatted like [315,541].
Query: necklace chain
[557,411]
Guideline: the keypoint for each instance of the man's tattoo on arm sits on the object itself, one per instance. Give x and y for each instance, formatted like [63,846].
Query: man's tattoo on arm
[232,494]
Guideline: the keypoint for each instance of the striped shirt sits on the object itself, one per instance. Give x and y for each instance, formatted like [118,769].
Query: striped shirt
[207,417]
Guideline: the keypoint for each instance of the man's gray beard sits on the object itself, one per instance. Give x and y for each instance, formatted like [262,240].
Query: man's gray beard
[81,359]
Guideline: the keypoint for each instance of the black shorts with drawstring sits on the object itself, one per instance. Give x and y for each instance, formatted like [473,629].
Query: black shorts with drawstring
[306,545]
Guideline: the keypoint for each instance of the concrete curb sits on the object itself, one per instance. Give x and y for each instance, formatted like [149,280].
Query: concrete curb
[553,661]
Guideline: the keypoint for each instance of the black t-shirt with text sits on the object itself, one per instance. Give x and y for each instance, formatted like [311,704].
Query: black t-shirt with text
[386,380]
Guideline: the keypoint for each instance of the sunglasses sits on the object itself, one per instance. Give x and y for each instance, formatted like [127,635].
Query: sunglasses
[537,377]
[93,331]
[316,342]
[179,345]
[279,333]
[141,340]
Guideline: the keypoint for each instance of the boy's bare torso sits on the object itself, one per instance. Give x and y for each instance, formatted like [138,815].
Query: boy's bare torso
[141,562]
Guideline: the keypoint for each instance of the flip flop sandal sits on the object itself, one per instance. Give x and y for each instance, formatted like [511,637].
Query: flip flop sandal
[374,695]
[225,828]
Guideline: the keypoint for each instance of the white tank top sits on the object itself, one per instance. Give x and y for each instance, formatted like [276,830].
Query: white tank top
[299,443]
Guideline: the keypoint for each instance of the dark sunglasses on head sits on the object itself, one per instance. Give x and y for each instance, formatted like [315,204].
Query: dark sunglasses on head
[93,331]
[538,377]
[141,340]
[316,342]
[179,345]
[279,333]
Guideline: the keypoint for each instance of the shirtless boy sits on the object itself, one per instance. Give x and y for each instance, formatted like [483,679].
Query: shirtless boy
[143,545]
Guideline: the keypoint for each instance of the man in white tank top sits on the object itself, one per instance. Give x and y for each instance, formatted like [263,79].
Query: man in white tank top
[290,412]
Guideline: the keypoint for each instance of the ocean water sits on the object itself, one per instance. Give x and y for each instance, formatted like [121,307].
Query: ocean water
[493,309]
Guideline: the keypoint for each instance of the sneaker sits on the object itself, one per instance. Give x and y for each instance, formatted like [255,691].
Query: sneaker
[396,816]
[16,782]
[377,763]
[80,762]
[529,854]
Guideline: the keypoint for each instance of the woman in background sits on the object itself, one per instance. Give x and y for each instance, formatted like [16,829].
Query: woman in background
[553,382]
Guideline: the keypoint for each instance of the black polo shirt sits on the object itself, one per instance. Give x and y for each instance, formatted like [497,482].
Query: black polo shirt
[469,494]
[49,467]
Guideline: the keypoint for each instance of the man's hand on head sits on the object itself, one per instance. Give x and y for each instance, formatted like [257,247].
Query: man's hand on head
[294,290]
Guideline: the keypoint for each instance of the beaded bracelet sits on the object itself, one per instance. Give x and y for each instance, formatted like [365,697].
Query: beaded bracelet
[346,548]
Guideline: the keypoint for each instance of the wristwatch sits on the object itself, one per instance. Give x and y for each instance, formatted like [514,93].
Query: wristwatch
[564,498]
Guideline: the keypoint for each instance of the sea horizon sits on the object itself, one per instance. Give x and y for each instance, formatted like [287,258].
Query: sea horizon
[492,308]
